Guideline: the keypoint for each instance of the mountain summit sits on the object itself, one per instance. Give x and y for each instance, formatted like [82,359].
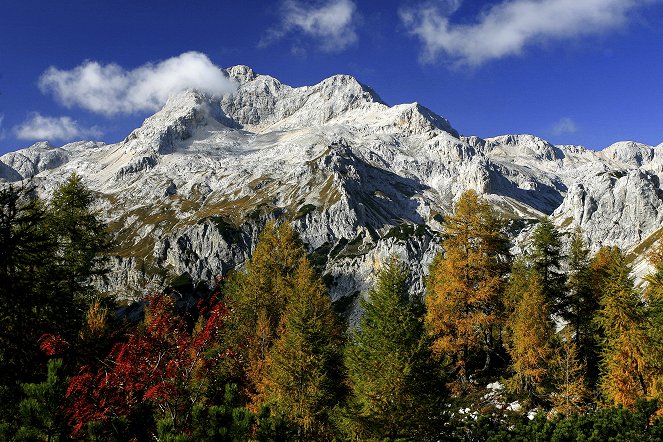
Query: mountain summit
[188,191]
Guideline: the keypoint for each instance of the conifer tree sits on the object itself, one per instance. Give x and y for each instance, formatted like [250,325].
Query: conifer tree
[82,238]
[303,378]
[622,317]
[580,307]
[546,259]
[40,411]
[570,394]
[258,297]
[28,307]
[654,327]
[395,388]
[531,336]
[465,287]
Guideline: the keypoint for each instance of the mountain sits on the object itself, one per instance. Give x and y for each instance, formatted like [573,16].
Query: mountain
[188,191]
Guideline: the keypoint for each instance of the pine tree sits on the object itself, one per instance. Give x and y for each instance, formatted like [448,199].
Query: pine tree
[531,336]
[622,317]
[303,378]
[465,287]
[546,259]
[40,411]
[395,389]
[27,307]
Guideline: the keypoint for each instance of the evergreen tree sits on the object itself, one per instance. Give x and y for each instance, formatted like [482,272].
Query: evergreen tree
[395,390]
[530,337]
[82,238]
[580,308]
[303,379]
[465,288]
[27,309]
[546,259]
[40,411]
[622,317]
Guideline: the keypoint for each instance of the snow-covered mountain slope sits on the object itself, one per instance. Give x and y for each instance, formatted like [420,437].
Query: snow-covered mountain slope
[189,190]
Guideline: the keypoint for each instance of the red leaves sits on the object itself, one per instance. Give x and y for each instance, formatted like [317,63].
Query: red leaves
[161,363]
[52,345]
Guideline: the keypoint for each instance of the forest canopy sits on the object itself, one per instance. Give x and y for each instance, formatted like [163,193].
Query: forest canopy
[554,344]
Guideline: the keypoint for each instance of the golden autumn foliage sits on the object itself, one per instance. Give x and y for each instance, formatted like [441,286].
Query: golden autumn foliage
[466,285]
[258,297]
[303,374]
[570,393]
[531,336]
[653,297]
[622,317]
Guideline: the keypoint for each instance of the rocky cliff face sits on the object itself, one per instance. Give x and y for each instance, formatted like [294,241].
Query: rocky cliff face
[189,190]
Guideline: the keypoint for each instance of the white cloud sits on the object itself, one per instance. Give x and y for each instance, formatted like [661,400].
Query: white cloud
[331,23]
[564,126]
[508,27]
[39,127]
[2,131]
[110,89]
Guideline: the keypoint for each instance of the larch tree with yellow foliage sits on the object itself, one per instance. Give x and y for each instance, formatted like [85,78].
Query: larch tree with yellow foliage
[304,376]
[622,317]
[570,394]
[654,352]
[531,336]
[465,288]
[258,297]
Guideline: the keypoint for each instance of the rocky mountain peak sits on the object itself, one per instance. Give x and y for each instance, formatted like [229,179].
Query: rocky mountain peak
[528,146]
[241,73]
[177,121]
[629,152]
[360,181]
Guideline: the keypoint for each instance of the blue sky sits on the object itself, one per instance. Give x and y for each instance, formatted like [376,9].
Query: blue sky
[583,72]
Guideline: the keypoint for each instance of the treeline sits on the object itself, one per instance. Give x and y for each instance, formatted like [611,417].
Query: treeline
[543,347]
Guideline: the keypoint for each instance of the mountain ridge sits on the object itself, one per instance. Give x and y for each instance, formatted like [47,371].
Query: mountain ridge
[189,189]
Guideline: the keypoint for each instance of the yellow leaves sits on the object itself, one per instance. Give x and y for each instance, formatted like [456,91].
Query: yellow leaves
[465,285]
[96,321]
[531,335]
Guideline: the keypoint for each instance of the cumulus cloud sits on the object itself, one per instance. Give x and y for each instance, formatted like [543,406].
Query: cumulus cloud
[39,127]
[110,89]
[508,27]
[564,126]
[331,23]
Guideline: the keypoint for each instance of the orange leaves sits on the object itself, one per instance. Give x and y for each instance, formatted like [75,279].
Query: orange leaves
[466,284]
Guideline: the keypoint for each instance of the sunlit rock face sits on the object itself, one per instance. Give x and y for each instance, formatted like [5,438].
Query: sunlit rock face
[189,191]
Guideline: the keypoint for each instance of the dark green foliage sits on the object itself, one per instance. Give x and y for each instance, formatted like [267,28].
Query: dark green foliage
[82,239]
[395,389]
[226,422]
[304,210]
[228,231]
[403,232]
[580,307]
[546,259]
[40,411]
[48,255]
[610,424]
[26,305]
